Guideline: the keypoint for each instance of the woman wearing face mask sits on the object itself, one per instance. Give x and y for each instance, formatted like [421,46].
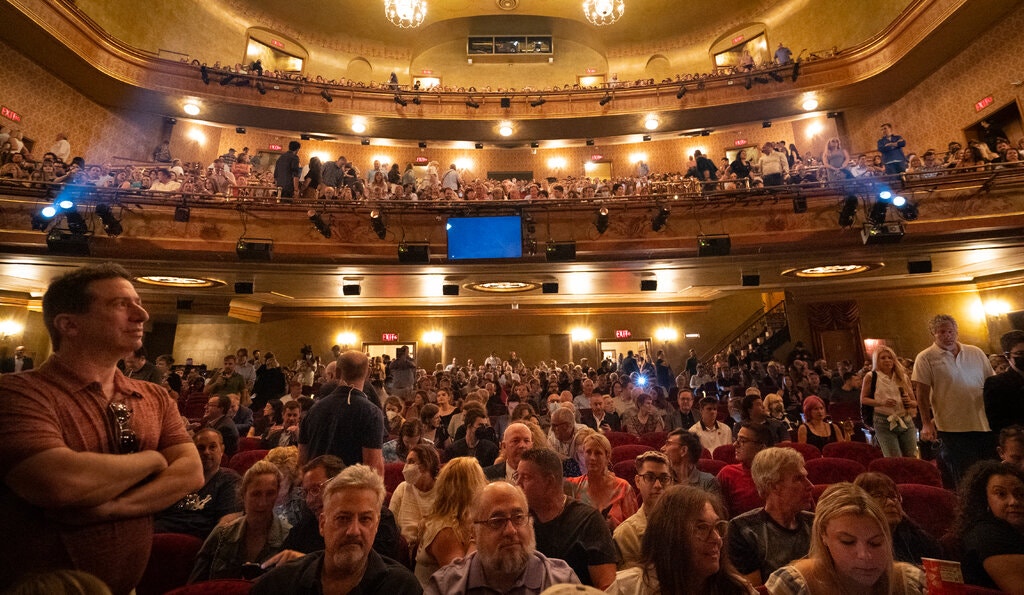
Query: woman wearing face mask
[414,497]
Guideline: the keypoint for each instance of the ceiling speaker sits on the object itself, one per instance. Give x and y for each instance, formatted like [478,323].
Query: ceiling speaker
[919,267]
[351,289]
[561,251]
[244,287]
[450,289]
[648,285]
[750,280]
[506,102]
[549,287]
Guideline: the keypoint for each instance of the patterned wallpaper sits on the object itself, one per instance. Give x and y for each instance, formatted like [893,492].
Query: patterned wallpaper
[49,106]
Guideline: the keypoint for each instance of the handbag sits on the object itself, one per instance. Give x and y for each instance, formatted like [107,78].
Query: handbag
[867,412]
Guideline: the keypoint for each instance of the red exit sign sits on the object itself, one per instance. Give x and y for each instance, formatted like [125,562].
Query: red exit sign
[596,157]
[421,160]
[623,334]
[389,337]
[983,104]
[274,147]
[276,43]
[590,70]
[739,142]
[737,39]
[10,114]
[427,71]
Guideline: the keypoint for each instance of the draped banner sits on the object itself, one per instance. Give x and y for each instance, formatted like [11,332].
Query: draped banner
[834,316]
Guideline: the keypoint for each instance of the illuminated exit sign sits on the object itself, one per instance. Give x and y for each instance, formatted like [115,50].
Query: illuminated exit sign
[623,334]
[389,337]
[10,114]
[276,43]
[274,147]
[983,104]
[739,142]
[737,39]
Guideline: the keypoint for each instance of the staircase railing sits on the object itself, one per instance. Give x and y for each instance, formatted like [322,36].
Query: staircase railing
[754,333]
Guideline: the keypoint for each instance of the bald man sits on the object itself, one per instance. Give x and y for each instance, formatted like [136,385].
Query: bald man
[345,423]
[517,439]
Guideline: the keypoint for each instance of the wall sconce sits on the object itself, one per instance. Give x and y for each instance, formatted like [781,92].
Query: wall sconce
[346,339]
[666,334]
[10,329]
[433,337]
[580,334]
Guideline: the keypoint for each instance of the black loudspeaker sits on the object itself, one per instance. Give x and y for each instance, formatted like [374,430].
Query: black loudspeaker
[506,102]
[549,287]
[919,267]
[713,245]
[648,285]
[244,287]
[414,253]
[184,305]
[800,204]
[351,289]
[561,251]
[254,249]
[750,280]
[450,289]
[182,214]
[60,241]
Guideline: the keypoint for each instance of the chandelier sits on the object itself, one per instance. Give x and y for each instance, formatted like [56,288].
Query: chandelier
[405,13]
[603,12]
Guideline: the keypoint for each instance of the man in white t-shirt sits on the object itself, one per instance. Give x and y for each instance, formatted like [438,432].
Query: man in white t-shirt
[949,379]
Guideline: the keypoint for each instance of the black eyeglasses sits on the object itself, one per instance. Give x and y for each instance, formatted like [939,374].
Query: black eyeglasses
[127,440]
[651,477]
[497,523]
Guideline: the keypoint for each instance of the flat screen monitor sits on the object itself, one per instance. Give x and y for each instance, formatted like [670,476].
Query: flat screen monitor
[473,238]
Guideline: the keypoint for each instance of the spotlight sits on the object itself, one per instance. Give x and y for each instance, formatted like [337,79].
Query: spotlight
[327,96]
[799,204]
[203,72]
[658,221]
[402,102]
[646,137]
[705,133]
[111,224]
[832,114]
[878,212]
[377,222]
[471,103]
[479,145]
[590,142]
[849,212]
[796,70]
[240,130]
[538,102]
[261,88]
[416,100]
[318,222]
[227,79]
[601,220]
[534,145]
[906,209]
[76,223]
[761,80]
[766,124]
[606,99]
[365,142]
[40,221]
[749,83]
[422,145]
[681,92]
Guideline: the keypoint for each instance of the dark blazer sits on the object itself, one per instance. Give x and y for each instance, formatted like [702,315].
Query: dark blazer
[1004,399]
[147,372]
[486,451]
[7,365]
[495,472]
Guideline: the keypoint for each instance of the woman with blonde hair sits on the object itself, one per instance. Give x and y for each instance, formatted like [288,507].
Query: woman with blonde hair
[291,500]
[446,533]
[835,158]
[851,551]
[887,388]
[600,488]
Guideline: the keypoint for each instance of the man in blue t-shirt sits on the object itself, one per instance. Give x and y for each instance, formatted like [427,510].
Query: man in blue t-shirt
[345,423]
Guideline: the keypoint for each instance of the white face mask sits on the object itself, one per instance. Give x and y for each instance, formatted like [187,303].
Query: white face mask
[552,407]
[411,473]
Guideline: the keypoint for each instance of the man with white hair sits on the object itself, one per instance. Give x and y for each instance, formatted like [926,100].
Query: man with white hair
[506,559]
[517,439]
[348,523]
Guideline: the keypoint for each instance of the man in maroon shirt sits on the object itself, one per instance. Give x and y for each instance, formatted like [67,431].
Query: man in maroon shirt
[88,454]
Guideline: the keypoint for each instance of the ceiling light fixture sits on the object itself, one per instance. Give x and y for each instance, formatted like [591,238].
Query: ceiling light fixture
[191,109]
[651,123]
[505,129]
[603,12]
[405,14]
[358,126]
[810,105]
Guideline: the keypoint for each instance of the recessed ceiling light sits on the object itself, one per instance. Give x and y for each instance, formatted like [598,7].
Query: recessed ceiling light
[358,127]
[169,281]
[810,105]
[503,286]
[832,270]
[651,123]
[191,109]
[505,129]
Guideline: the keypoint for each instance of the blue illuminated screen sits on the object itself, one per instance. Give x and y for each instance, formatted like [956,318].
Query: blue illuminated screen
[484,237]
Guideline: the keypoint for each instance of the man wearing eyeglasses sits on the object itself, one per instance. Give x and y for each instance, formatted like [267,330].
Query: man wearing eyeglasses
[765,539]
[506,559]
[88,455]
[653,476]
[738,490]
[198,512]
[1004,393]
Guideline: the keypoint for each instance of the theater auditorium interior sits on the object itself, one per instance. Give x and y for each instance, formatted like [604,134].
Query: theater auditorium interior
[532,91]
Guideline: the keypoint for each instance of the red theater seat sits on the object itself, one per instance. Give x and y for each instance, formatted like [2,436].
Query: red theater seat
[726,452]
[829,470]
[710,466]
[170,563]
[809,451]
[241,461]
[654,439]
[628,452]
[855,451]
[249,443]
[620,438]
[393,475]
[224,586]
[908,470]
[931,507]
